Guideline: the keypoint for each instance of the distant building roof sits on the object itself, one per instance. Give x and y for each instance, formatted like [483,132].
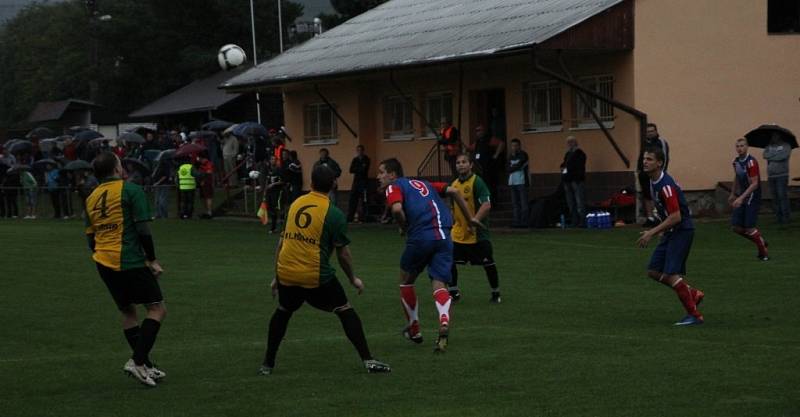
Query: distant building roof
[53,110]
[200,95]
[412,32]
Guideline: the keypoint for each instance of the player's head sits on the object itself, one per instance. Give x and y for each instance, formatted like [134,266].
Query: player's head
[322,179]
[741,146]
[653,159]
[463,165]
[515,145]
[105,165]
[651,131]
[388,171]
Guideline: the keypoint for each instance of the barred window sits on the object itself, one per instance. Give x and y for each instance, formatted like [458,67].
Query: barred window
[320,124]
[437,106]
[541,102]
[397,121]
[783,16]
[602,85]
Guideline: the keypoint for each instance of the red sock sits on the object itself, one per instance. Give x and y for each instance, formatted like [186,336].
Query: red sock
[755,237]
[408,298]
[686,297]
[442,297]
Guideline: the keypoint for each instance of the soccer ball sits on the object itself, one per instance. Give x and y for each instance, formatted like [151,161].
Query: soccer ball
[254,175]
[231,56]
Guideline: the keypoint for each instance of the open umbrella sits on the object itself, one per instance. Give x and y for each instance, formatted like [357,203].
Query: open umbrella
[217,125]
[87,135]
[131,164]
[41,132]
[166,154]
[142,130]
[189,149]
[43,163]
[20,146]
[48,144]
[98,142]
[78,164]
[204,135]
[150,154]
[131,137]
[16,169]
[761,136]
[229,130]
[250,129]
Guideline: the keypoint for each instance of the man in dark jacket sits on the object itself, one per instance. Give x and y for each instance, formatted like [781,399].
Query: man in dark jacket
[652,140]
[518,181]
[573,175]
[359,167]
[326,160]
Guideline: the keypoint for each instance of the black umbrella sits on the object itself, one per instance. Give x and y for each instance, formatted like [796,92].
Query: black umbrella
[250,129]
[131,164]
[205,135]
[48,144]
[43,163]
[16,169]
[143,130]
[217,125]
[87,135]
[761,136]
[77,165]
[131,137]
[97,142]
[41,132]
[20,146]
[166,155]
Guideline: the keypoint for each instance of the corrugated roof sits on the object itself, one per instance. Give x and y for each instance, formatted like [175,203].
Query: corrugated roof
[413,32]
[53,110]
[200,95]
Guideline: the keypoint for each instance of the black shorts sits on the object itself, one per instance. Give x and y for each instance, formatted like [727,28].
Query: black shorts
[479,253]
[326,297]
[644,184]
[131,286]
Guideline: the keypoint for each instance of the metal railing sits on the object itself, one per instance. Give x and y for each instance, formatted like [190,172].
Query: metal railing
[436,165]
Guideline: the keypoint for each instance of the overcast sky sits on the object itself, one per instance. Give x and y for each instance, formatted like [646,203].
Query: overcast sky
[9,8]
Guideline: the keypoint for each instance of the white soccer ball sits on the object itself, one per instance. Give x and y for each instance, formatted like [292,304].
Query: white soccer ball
[231,56]
[254,175]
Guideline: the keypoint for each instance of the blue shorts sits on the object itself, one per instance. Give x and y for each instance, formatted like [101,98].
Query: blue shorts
[746,215]
[671,253]
[437,255]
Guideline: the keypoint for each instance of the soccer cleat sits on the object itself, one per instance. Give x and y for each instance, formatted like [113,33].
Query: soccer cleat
[690,320]
[762,257]
[376,367]
[496,298]
[155,373]
[410,335]
[139,372]
[698,297]
[441,341]
[265,370]
[455,294]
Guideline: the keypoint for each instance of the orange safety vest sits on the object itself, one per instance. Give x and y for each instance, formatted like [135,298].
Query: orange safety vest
[451,145]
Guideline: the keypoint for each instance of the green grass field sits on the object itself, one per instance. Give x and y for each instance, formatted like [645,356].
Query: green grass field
[581,331]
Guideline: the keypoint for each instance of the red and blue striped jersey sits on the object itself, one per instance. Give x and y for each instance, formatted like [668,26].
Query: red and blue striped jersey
[668,198]
[427,216]
[745,168]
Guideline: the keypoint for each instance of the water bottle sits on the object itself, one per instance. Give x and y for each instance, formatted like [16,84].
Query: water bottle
[605,220]
[591,221]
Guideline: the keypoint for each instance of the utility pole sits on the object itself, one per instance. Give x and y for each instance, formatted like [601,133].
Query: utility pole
[255,57]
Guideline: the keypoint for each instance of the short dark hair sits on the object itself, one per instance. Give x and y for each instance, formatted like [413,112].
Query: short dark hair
[653,125]
[515,140]
[466,155]
[392,165]
[104,164]
[657,152]
[325,150]
[322,178]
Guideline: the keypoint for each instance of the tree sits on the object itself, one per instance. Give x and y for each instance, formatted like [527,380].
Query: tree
[148,49]
[346,10]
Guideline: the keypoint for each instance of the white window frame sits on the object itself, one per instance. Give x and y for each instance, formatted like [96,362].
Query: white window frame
[394,107]
[553,113]
[433,119]
[603,85]
[317,137]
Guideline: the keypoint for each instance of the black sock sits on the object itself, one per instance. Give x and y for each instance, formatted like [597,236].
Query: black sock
[355,332]
[453,276]
[277,329]
[132,336]
[147,339]
[492,276]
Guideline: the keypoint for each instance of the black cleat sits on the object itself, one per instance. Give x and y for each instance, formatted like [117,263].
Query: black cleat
[265,370]
[455,295]
[377,367]
[496,298]
[416,338]
[762,257]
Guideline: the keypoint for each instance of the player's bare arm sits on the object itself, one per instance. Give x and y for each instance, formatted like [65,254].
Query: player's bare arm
[274,284]
[346,262]
[399,216]
[673,219]
[754,182]
[462,205]
[146,239]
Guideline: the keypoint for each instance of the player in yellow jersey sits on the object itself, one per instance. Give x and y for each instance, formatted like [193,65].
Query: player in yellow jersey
[117,218]
[314,229]
[472,244]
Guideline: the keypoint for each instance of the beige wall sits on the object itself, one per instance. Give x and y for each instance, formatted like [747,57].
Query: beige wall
[707,72]
[361,103]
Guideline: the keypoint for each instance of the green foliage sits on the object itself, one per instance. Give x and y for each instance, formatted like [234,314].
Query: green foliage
[146,50]
[346,10]
[581,331]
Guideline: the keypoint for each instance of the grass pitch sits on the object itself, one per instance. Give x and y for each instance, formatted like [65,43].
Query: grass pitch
[581,331]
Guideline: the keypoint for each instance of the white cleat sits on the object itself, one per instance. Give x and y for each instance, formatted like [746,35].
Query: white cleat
[141,373]
[155,373]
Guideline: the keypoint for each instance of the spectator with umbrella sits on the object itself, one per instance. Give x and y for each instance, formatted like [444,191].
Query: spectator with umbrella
[778,143]
[58,195]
